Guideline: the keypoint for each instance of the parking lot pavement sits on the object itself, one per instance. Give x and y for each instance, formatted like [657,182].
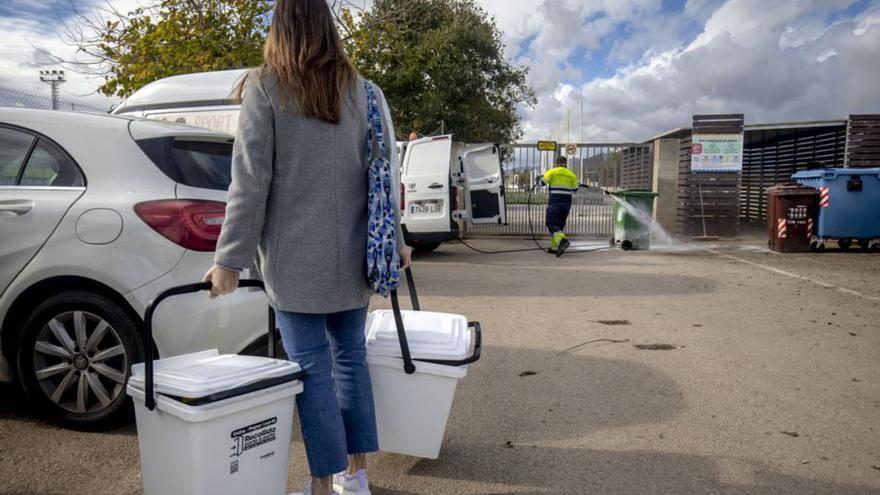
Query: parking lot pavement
[717,369]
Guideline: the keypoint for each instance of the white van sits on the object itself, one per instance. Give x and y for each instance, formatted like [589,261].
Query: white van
[444,184]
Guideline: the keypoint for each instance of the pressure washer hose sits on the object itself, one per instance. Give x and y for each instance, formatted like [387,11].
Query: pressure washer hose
[534,236]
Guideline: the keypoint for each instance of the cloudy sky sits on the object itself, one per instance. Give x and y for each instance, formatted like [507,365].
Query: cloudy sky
[638,66]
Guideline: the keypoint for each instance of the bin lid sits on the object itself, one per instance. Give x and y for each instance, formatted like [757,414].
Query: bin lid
[429,335]
[830,173]
[635,193]
[209,376]
[792,189]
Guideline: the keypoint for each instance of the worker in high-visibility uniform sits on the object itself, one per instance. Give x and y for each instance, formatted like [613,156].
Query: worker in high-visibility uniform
[563,183]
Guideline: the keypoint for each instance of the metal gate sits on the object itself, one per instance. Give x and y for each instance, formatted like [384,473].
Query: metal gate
[600,165]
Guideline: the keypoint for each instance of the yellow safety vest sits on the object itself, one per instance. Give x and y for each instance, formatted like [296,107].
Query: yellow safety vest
[561,180]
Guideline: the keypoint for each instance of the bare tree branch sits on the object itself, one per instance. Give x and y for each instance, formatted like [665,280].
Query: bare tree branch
[84,31]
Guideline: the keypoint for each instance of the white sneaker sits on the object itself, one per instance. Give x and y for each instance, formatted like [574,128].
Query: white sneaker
[351,484]
[308,491]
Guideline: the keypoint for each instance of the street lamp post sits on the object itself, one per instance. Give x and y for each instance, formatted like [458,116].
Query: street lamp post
[53,78]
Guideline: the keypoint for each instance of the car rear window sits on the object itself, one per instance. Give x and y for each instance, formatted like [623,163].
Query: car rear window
[203,164]
[14,147]
[49,166]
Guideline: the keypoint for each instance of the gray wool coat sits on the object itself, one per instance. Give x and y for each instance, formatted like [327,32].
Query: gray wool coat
[297,205]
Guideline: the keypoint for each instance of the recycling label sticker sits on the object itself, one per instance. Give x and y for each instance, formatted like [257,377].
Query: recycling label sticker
[253,436]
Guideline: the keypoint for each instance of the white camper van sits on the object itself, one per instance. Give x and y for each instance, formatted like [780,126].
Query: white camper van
[203,99]
[444,184]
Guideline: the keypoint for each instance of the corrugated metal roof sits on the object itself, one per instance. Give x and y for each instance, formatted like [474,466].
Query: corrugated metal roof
[681,132]
[677,133]
[794,125]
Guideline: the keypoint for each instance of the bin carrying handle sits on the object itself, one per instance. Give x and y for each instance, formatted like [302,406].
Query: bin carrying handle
[408,366]
[150,401]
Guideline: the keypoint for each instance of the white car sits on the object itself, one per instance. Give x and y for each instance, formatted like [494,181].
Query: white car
[444,184]
[98,214]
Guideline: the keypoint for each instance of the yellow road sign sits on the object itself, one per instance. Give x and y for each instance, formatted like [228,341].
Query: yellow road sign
[547,146]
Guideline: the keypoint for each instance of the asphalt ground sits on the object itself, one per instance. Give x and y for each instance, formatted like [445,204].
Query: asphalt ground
[769,384]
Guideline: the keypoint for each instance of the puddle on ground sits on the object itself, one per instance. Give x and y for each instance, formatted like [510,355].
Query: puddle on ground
[656,347]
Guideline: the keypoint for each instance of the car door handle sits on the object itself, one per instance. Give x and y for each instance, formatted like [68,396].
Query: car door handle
[15,208]
[435,186]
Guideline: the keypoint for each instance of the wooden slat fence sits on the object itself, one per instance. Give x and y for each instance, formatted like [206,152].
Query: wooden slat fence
[709,199]
[771,156]
[863,141]
[637,168]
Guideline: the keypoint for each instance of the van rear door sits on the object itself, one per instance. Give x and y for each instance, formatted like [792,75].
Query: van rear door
[483,182]
[426,185]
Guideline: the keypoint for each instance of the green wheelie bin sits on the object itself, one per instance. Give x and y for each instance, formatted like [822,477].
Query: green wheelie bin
[633,216]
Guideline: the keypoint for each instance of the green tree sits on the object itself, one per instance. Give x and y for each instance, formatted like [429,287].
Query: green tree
[441,63]
[166,38]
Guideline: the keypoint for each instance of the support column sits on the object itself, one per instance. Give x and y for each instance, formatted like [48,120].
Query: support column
[665,182]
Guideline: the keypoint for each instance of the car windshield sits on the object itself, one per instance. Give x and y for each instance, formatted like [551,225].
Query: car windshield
[203,164]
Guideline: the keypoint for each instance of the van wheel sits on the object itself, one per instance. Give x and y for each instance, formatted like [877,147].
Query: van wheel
[426,247]
[75,357]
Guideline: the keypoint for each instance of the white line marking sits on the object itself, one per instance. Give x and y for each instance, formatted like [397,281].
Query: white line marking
[798,277]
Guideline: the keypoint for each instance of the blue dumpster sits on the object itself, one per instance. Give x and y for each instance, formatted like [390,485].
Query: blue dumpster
[849,205]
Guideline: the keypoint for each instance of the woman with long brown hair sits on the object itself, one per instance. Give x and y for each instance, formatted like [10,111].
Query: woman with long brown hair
[298,204]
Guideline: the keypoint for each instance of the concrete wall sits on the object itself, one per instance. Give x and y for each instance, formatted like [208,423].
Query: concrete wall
[666,182]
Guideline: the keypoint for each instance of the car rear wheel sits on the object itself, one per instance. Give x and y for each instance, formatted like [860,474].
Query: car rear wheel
[75,356]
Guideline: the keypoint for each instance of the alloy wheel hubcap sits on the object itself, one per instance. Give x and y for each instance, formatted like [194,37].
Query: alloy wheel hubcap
[80,362]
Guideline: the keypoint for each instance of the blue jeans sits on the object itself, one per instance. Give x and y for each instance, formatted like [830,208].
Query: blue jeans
[335,408]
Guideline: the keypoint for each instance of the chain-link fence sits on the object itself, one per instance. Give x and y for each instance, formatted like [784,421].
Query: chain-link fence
[21,99]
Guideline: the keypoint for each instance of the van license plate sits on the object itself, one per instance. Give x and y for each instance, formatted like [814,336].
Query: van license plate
[425,207]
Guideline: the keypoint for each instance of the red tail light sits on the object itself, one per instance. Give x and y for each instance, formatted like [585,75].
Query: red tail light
[402,199]
[192,224]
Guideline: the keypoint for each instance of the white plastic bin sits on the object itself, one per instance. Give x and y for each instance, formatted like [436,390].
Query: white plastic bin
[412,410]
[212,424]
[222,424]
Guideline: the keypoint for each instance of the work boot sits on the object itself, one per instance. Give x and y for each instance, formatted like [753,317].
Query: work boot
[554,241]
[563,245]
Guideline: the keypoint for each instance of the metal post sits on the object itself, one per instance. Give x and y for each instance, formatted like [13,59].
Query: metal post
[702,208]
[53,78]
